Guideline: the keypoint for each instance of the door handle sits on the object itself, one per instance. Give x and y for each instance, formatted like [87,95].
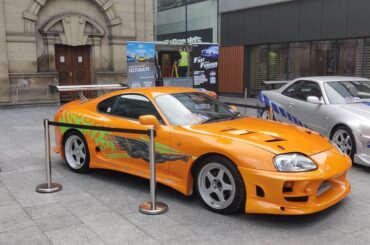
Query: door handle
[70,74]
[291,104]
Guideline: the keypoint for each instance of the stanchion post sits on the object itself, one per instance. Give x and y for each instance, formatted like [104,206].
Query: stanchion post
[271,113]
[152,207]
[49,186]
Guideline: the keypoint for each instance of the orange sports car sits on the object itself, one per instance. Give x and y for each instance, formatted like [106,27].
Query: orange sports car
[232,162]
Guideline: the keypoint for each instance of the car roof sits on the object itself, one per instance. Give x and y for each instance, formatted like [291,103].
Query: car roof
[324,79]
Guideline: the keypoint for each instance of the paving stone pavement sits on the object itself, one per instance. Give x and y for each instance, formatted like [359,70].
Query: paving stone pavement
[102,207]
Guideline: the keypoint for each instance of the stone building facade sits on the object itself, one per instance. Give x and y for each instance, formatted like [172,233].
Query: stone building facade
[45,42]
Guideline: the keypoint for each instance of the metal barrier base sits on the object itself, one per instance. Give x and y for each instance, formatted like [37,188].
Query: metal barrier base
[45,188]
[146,208]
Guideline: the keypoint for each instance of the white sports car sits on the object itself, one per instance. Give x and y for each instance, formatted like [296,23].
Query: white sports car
[337,107]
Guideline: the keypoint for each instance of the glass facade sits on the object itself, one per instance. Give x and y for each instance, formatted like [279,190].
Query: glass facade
[320,58]
[177,19]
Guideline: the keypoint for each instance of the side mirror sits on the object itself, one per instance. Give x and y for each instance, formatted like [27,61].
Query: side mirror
[314,100]
[233,108]
[149,120]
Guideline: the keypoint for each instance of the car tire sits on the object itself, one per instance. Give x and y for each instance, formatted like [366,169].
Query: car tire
[219,185]
[344,138]
[76,152]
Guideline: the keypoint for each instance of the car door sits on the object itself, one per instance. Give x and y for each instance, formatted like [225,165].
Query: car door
[130,152]
[281,103]
[302,112]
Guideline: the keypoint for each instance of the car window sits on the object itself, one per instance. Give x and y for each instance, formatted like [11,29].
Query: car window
[303,89]
[106,105]
[192,108]
[130,106]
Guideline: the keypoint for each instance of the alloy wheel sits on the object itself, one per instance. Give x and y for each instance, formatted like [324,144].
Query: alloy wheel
[75,152]
[216,185]
[342,138]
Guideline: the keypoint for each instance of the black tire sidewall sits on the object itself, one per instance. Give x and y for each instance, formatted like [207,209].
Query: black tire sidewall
[86,165]
[350,135]
[240,193]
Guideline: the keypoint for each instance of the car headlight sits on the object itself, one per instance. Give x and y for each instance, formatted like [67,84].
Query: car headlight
[337,147]
[294,162]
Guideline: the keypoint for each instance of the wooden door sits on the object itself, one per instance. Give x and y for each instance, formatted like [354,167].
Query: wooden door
[231,70]
[73,66]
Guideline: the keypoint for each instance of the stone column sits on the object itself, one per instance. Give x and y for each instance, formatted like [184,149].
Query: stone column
[97,56]
[4,72]
[118,54]
[50,40]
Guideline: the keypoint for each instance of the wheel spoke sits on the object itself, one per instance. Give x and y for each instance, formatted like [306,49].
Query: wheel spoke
[82,155]
[220,174]
[210,177]
[210,190]
[226,187]
[78,160]
[348,140]
[220,196]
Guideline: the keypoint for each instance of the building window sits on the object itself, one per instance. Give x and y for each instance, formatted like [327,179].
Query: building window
[300,59]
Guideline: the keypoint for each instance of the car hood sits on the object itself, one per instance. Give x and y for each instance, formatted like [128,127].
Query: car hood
[274,137]
[360,109]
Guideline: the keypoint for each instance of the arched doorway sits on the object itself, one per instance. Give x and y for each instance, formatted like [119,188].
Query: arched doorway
[71,40]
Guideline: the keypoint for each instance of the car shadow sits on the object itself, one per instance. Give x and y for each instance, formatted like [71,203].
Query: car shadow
[361,167]
[141,185]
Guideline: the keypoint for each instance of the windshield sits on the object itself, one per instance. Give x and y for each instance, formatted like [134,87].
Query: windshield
[345,92]
[192,108]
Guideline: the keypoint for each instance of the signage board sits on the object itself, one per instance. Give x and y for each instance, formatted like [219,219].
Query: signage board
[140,64]
[204,62]
[179,38]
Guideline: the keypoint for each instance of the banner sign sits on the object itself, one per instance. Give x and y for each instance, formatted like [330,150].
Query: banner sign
[205,66]
[140,64]
[179,38]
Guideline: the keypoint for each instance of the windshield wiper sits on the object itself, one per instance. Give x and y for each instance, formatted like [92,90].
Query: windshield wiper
[208,120]
[235,115]
[217,119]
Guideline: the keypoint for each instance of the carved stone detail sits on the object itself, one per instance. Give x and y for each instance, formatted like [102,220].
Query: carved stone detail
[74,29]
[31,13]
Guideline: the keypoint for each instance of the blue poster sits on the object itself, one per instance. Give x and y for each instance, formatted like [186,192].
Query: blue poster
[141,64]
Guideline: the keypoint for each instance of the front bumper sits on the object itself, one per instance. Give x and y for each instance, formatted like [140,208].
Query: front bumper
[298,193]
[362,155]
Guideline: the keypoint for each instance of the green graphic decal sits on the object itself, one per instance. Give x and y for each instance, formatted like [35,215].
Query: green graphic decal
[101,138]
[161,148]
[116,147]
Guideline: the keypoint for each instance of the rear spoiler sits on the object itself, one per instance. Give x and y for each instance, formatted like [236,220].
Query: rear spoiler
[80,88]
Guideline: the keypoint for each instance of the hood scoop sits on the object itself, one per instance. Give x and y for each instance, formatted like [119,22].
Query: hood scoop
[274,140]
[236,131]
